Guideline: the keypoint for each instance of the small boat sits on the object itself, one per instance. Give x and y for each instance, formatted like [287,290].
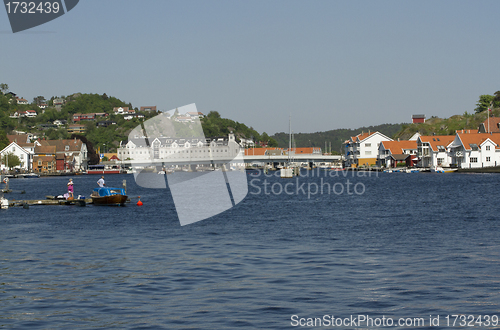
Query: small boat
[109,196]
[439,169]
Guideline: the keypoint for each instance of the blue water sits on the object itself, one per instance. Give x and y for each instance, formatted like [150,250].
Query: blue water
[401,245]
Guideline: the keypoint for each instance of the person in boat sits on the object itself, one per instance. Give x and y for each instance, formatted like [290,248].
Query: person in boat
[101,182]
[70,188]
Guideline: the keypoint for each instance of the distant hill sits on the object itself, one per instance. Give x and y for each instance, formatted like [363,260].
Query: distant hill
[334,137]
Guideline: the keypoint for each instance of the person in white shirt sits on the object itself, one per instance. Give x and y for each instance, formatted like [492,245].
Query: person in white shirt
[100,182]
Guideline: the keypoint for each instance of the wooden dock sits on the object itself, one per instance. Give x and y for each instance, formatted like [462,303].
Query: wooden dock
[31,202]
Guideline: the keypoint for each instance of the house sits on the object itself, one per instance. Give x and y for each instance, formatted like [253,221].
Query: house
[76,128]
[26,142]
[60,122]
[362,149]
[490,125]
[195,115]
[42,105]
[105,123]
[417,119]
[21,101]
[433,150]
[18,114]
[88,116]
[58,101]
[148,109]
[31,113]
[123,111]
[44,160]
[71,155]
[132,116]
[392,153]
[83,117]
[21,153]
[473,150]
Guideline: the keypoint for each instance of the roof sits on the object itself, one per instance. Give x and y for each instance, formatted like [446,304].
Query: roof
[45,150]
[400,157]
[74,145]
[22,138]
[468,139]
[437,140]
[418,116]
[494,125]
[398,147]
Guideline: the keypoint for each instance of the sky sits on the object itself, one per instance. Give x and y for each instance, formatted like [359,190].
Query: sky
[326,64]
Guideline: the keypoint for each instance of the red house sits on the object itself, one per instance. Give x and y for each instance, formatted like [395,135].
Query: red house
[416,119]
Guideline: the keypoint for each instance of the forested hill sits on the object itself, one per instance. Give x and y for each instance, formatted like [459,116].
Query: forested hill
[334,137]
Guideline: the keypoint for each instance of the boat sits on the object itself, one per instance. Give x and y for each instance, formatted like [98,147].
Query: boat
[109,196]
[289,170]
[104,169]
[440,169]
[28,175]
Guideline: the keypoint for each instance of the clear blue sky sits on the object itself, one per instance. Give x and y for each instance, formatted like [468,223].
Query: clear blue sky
[330,64]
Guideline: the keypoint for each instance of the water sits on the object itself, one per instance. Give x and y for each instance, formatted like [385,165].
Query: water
[408,245]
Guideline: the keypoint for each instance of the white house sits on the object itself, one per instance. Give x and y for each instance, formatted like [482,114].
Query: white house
[363,149]
[21,153]
[433,150]
[123,111]
[473,150]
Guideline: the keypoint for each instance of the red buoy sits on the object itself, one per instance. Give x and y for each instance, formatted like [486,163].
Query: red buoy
[139,203]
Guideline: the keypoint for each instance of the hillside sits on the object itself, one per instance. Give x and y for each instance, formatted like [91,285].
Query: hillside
[448,126]
[334,137]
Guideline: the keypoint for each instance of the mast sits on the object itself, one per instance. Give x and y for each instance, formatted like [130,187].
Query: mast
[289,137]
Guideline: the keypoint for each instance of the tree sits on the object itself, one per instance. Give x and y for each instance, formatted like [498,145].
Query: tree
[483,103]
[4,88]
[10,160]
[496,100]
[39,100]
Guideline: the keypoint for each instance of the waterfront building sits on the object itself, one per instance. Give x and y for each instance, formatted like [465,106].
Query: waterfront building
[362,149]
[475,150]
[433,150]
[392,153]
[189,150]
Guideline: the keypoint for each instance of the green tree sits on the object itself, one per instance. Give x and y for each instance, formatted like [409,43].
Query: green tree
[4,88]
[10,160]
[4,141]
[38,100]
[496,100]
[483,103]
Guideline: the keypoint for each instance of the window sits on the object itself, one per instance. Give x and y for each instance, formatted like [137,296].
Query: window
[368,152]
[66,148]
[21,156]
[473,159]
[487,147]
[39,163]
[474,146]
[368,145]
[488,159]
[440,160]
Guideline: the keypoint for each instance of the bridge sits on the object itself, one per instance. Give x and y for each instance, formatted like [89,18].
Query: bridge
[269,159]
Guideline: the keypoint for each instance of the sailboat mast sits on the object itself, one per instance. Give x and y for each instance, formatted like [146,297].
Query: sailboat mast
[289,136]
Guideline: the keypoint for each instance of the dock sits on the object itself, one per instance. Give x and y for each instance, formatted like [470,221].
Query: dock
[30,202]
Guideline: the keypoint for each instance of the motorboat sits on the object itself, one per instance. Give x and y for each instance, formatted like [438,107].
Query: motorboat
[109,196]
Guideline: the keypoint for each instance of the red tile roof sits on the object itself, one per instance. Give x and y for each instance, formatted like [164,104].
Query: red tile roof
[437,140]
[398,147]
